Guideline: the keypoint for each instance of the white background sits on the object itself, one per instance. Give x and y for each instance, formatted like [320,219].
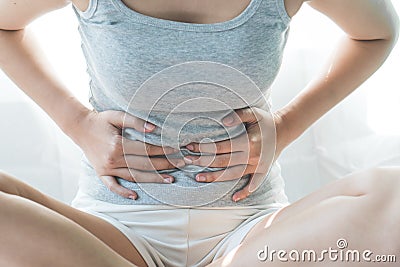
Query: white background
[361,132]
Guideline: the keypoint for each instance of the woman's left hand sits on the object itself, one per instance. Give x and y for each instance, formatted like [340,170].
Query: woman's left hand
[250,153]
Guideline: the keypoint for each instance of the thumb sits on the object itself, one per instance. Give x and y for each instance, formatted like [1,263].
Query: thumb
[240,116]
[124,120]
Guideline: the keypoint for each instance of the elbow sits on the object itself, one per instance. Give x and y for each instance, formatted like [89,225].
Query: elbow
[395,28]
[396,31]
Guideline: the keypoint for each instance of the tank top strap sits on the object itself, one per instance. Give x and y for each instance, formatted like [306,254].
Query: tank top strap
[90,10]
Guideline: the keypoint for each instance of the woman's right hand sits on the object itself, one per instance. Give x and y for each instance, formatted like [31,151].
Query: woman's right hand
[112,155]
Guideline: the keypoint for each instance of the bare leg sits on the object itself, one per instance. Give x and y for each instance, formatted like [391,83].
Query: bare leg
[37,230]
[363,208]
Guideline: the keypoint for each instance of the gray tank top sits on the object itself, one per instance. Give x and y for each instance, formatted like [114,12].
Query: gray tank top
[184,78]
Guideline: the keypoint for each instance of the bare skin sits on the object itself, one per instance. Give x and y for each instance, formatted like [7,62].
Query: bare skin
[362,208]
[52,233]
[74,238]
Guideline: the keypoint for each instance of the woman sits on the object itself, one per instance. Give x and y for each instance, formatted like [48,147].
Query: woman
[136,216]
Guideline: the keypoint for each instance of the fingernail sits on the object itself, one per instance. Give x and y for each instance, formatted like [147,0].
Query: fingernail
[149,126]
[236,199]
[228,120]
[188,160]
[190,147]
[200,178]
[168,180]
[132,197]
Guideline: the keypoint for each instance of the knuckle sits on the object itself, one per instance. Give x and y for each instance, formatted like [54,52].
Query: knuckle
[172,163]
[116,142]
[200,161]
[219,146]
[253,159]
[149,149]
[119,114]
[132,176]
[212,177]
[111,186]
[205,162]
[218,161]
[254,139]
[241,170]
[105,114]
[196,147]
[147,164]
[110,162]
[209,161]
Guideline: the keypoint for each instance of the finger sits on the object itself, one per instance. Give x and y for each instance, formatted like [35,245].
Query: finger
[231,173]
[136,147]
[116,188]
[239,116]
[254,183]
[256,180]
[138,176]
[242,193]
[151,164]
[219,160]
[144,163]
[239,143]
[124,120]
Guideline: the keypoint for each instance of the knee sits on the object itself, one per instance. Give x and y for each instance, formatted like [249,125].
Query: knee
[387,187]
[380,180]
[383,180]
[2,174]
[8,184]
[3,181]
[382,188]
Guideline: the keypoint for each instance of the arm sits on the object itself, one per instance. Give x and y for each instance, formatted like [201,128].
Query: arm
[23,61]
[98,134]
[372,28]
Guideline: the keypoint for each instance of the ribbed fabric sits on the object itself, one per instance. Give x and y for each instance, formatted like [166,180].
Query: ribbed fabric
[184,78]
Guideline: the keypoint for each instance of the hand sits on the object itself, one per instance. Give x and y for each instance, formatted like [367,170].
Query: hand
[250,153]
[110,154]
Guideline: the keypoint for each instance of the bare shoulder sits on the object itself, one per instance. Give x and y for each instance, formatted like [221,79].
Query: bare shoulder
[16,14]
[361,19]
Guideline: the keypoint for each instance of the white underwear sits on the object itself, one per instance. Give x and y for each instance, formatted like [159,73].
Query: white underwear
[172,236]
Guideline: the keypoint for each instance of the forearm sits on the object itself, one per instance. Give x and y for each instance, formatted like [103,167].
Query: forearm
[352,63]
[26,65]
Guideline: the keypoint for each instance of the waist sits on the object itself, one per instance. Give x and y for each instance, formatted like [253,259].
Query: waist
[186,191]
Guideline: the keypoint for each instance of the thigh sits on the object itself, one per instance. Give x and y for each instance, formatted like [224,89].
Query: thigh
[360,209]
[353,185]
[103,230]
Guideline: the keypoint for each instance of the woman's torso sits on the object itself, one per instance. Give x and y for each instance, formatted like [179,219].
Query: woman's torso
[125,49]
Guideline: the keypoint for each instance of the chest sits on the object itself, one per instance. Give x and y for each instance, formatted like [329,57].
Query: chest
[191,11]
